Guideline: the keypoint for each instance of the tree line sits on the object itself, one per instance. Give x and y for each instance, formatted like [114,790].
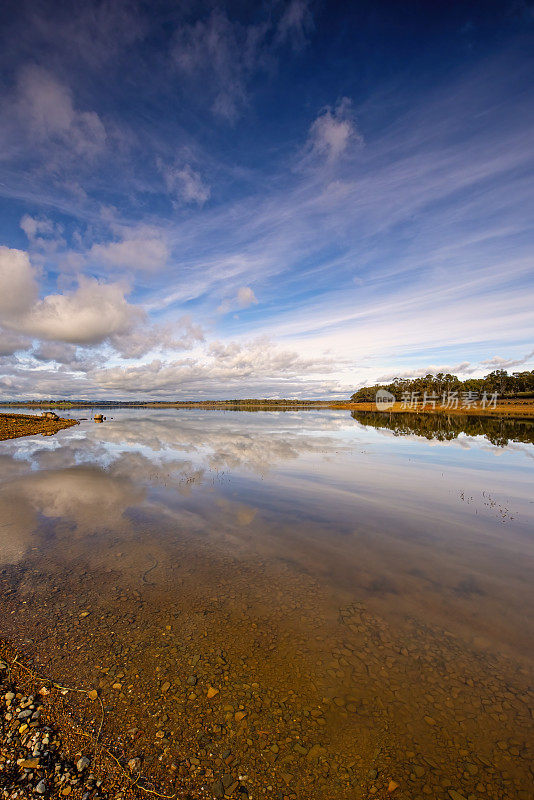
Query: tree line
[518,384]
[444,428]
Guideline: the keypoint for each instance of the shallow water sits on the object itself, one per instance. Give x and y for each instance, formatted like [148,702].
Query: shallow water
[357,586]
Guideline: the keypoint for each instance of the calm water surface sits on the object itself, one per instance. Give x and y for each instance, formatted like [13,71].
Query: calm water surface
[357,589]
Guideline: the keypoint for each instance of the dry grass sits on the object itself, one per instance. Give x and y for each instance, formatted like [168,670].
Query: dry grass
[511,409]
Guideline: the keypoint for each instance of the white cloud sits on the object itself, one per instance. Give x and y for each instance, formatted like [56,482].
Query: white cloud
[11,342]
[222,56]
[33,226]
[223,368]
[244,298]
[295,24]
[42,233]
[88,315]
[141,248]
[181,335]
[214,51]
[333,131]
[45,108]
[506,363]
[69,356]
[185,184]
[18,282]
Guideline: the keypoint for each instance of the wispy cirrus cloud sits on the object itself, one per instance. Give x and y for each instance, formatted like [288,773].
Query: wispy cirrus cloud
[222,55]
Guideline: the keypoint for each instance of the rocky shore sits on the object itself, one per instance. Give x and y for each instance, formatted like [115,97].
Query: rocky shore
[43,754]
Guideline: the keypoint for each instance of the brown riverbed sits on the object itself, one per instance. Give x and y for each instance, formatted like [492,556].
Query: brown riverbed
[288,606]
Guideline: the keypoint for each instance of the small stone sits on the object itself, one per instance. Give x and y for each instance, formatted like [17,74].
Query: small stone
[41,787]
[85,614]
[67,790]
[29,763]
[92,695]
[240,715]
[82,763]
[117,686]
[454,795]
[316,751]
[430,720]
[217,789]
[134,764]
[392,786]
[372,774]
[165,687]
[212,692]
[192,680]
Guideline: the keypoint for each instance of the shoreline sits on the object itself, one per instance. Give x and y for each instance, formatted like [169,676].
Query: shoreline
[509,409]
[13,426]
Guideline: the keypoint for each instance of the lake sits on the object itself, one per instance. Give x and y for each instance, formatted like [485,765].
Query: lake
[285,604]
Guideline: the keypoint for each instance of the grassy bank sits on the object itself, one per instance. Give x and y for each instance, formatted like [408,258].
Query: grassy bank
[511,409]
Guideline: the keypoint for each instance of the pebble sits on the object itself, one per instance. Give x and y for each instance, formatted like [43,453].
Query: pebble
[372,774]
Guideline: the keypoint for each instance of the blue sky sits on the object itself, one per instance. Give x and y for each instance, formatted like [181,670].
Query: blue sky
[263,199]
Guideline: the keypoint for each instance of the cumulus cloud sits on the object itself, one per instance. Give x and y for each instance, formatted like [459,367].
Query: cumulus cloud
[185,184]
[18,283]
[90,314]
[69,356]
[42,233]
[45,108]
[333,132]
[507,363]
[223,365]
[11,342]
[181,335]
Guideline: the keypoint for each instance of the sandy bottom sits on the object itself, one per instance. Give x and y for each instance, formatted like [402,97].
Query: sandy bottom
[236,677]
